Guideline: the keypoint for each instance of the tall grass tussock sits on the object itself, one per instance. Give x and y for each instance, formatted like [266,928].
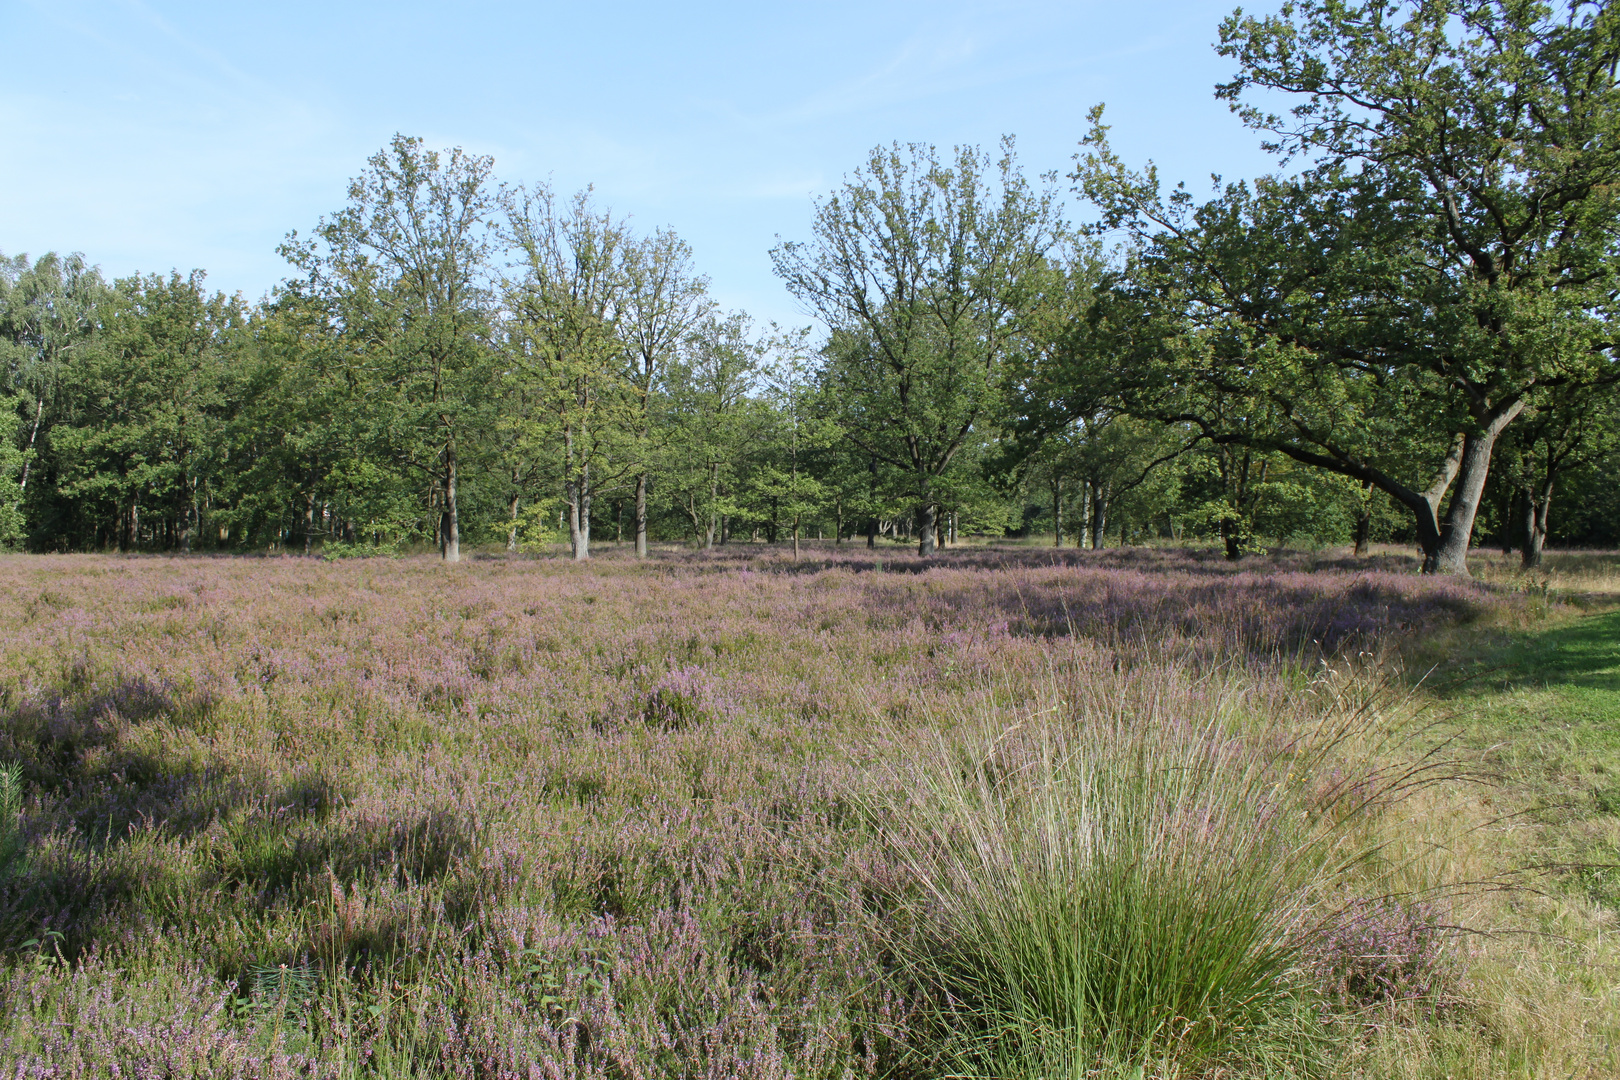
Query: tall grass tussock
[1137,878]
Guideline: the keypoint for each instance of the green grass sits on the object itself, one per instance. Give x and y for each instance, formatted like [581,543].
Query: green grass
[1538,708]
[1544,708]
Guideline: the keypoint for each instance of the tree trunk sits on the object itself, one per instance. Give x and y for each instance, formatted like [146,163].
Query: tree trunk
[33,434]
[1363,531]
[1057,512]
[579,512]
[512,529]
[926,515]
[187,515]
[1232,538]
[585,496]
[871,532]
[309,525]
[1536,507]
[452,508]
[641,516]
[1364,520]
[1451,553]
[576,490]
[1511,502]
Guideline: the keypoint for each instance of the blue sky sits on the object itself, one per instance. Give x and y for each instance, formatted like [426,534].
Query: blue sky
[158,134]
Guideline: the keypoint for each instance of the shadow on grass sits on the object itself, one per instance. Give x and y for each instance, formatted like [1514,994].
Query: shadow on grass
[116,832]
[1581,655]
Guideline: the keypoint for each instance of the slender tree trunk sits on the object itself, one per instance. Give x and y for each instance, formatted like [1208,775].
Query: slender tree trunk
[1508,508]
[641,516]
[512,528]
[1085,515]
[714,519]
[187,515]
[579,512]
[576,490]
[33,434]
[309,524]
[838,520]
[1057,512]
[1364,520]
[926,516]
[585,497]
[452,508]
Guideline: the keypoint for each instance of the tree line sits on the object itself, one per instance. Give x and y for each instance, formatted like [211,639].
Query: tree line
[1406,337]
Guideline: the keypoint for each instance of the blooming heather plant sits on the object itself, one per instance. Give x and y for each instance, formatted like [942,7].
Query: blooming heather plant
[1383,951]
[524,818]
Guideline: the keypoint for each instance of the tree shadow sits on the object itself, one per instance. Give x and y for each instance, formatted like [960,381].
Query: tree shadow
[115,835]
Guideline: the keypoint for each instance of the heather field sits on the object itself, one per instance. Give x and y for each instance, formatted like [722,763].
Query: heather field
[1007,812]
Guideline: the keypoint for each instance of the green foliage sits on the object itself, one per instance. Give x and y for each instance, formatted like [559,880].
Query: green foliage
[918,271]
[1445,260]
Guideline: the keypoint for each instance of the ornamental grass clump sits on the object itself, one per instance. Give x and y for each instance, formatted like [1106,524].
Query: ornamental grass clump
[1112,889]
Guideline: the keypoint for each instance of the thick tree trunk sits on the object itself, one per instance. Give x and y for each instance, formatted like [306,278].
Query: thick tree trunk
[926,520]
[1232,539]
[1451,553]
[641,516]
[871,532]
